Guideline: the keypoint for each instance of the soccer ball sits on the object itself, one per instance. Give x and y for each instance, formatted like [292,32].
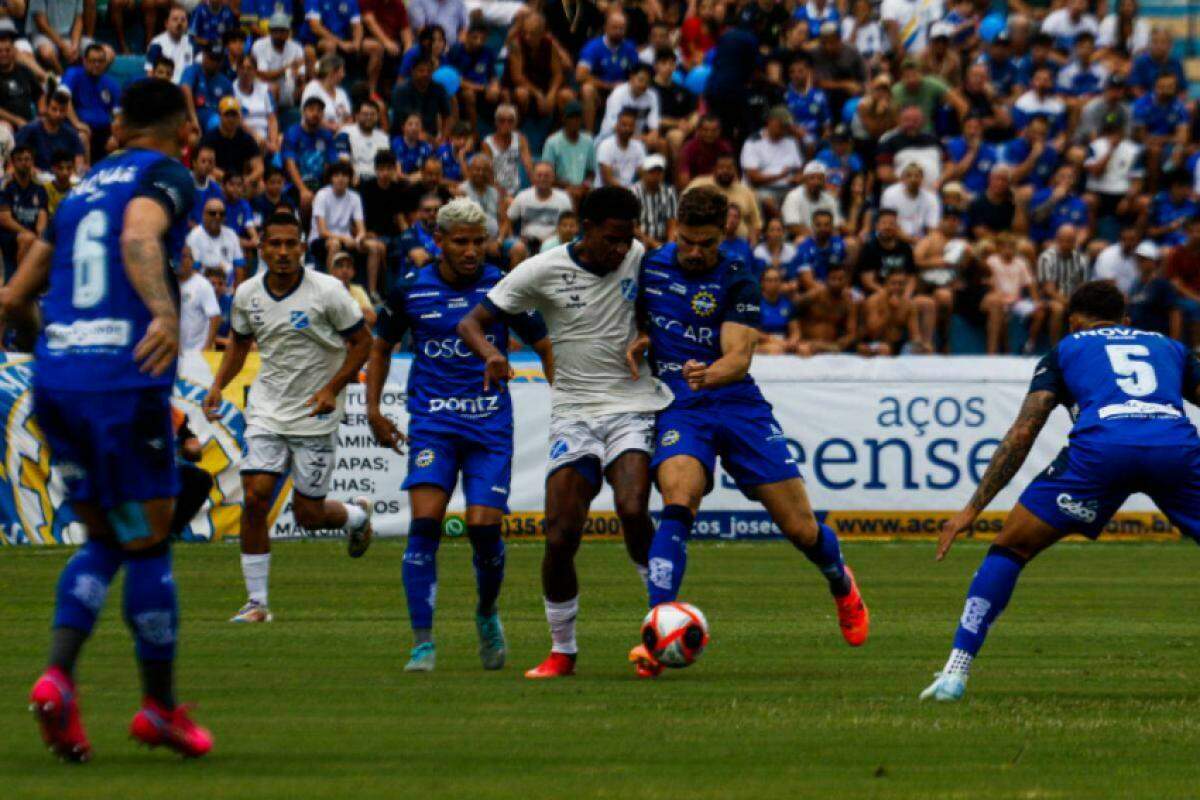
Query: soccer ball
[675,634]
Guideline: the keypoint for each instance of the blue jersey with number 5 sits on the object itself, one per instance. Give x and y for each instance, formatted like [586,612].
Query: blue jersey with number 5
[93,317]
[1123,386]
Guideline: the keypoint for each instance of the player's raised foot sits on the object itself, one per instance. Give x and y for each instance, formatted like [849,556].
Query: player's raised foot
[154,725]
[359,539]
[647,666]
[946,687]
[253,611]
[423,658]
[492,647]
[853,617]
[53,703]
[556,665]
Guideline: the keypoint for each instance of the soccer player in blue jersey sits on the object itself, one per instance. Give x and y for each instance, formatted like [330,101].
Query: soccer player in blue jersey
[1125,389]
[455,427]
[105,367]
[701,342]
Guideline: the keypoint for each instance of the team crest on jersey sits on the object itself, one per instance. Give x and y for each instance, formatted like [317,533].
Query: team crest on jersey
[629,289]
[425,457]
[559,448]
[669,438]
[704,304]
[299,320]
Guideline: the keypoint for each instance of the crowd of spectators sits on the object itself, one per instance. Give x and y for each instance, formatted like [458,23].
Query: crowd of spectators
[902,175]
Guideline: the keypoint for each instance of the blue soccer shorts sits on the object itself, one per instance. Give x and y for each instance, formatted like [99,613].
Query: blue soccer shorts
[111,447]
[744,434]
[437,458]
[1086,484]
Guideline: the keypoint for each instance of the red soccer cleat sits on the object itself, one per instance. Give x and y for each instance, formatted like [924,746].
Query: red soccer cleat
[154,725]
[52,701]
[646,664]
[853,617]
[556,665]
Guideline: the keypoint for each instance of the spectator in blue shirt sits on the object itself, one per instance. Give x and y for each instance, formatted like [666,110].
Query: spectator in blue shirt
[1040,56]
[239,215]
[308,148]
[839,158]
[734,246]
[1057,205]
[1032,157]
[410,149]
[204,164]
[94,95]
[1155,61]
[1160,123]
[816,254]
[50,133]
[1170,211]
[431,44]
[604,62]
[807,103]
[476,65]
[211,20]
[204,85]
[23,215]
[1004,73]
[969,157]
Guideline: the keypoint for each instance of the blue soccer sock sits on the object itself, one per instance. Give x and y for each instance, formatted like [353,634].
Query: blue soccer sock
[989,594]
[826,553]
[488,558]
[82,589]
[419,573]
[668,554]
[152,613]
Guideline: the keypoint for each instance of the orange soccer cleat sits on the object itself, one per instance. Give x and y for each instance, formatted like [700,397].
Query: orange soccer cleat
[556,665]
[853,617]
[646,664]
[154,725]
[52,701]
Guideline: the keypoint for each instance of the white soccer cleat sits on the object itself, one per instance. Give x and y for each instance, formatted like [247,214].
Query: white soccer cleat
[947,687]
[359,540]
[253,611]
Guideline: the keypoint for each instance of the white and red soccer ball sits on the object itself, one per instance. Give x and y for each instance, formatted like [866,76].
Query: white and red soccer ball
[675,634]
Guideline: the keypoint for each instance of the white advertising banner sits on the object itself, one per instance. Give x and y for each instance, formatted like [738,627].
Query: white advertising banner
[888,447]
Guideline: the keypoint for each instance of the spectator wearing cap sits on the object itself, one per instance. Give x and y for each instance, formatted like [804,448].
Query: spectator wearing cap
[475,63]
[422,95]
[1117,263]
[926,92]
[213,245]
[536,72]
[604,62]
[334,27]
[280,59]
[94,98]
[1111,102]
[386,22]
[1058,204]
[1170,209]
[360,141]
[1115,171]
[308,149]
[771,160]
[52,132]
[204,163]
[175,43]
[234,150]
[1067,22]
[699,154]
[656,224]
[1151,305]
[940,60]
[572,152]
[204,85]
[620,156]
[257,105]
[23,215]
[534,212]
[807,103]
[211,20]
[970,157]
[811,196]
[724,179]
[449,15]
[1156,61]
[20,90]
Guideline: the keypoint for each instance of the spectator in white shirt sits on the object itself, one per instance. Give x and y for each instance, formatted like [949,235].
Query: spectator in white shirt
[1117,262]
[331,71]
[280,60]
[635,95]
[337,219]
[918,210]
[174,43]
[212,244]
[258,106]
[1068,22]
[771,160]
[362,140]
[199,319]
[806,199]
[535,211]
[620,156]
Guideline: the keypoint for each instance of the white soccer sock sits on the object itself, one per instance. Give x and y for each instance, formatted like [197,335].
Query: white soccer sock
[355,517]
[958,663]
[561,617]
[255,569]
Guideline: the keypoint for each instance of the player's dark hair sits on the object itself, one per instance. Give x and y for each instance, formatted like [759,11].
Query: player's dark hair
[702,206]
[150,103]
[1098,300]
[282,217]
[610,202]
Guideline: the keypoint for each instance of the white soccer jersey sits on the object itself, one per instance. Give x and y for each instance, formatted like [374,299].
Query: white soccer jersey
[591,322]
[301,341]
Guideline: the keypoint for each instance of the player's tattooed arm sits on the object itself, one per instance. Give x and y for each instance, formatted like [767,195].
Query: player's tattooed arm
[1005,463]
[146,222]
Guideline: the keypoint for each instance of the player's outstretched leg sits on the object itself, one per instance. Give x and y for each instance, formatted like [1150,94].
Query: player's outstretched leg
[419,573]
[82,588]
[1023,537]
[488,557]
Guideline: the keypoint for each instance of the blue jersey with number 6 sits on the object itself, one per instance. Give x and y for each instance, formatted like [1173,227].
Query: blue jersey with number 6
[1123,386]
[93,316]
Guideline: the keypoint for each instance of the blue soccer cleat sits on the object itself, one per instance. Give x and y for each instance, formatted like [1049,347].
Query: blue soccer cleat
[492,647]
[947,687]
[422,659]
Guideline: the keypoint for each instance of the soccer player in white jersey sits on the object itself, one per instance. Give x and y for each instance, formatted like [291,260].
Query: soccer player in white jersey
[313,342]
[602,419]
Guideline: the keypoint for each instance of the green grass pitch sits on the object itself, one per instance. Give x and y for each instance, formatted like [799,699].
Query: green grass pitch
[1089,686]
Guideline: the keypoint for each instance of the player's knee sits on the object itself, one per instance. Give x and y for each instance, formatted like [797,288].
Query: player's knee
[255,499]
[802,531]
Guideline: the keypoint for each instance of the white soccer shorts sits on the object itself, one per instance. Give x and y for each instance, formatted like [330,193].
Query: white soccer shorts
[603,438]
[309,459]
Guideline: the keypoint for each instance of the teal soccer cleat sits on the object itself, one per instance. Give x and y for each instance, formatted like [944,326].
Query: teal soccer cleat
[947,687]
[492,647]
[422,659]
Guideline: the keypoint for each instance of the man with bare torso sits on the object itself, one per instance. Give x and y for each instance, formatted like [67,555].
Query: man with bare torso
[891,320]
[827,321]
